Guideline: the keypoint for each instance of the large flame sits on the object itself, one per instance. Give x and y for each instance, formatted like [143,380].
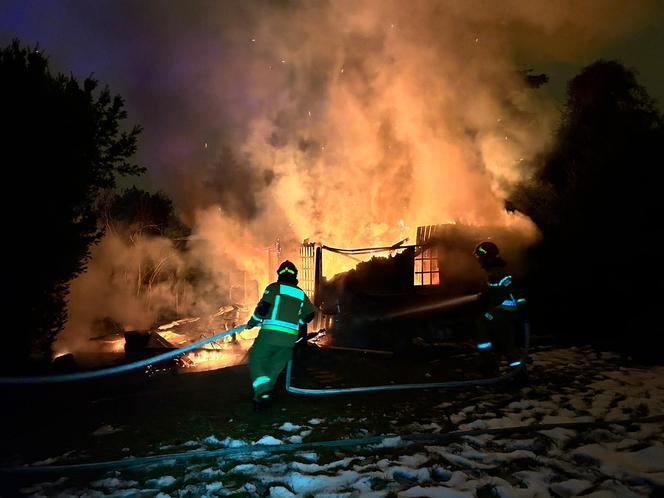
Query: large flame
[352,123]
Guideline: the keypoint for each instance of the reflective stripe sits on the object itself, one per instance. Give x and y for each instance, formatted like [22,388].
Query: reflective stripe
[504,282]
[508,303]
[515,363]
[281,323]
[263,379]
[300,321]
[279,328]
[288,290]
[488,316]
[521,300]
[257,318]
[484,345]
[276,307]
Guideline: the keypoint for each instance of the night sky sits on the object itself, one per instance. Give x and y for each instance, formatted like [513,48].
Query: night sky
[160,59]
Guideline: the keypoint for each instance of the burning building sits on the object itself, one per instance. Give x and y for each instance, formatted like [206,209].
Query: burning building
[397,292]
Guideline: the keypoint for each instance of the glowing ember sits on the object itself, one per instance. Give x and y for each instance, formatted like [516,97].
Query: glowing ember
[115,346]
[174,338]
[178,322]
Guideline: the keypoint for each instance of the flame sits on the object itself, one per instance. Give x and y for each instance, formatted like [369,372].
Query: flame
[116,346]
[174,338]
[213,359]
[175,323]
[227,352]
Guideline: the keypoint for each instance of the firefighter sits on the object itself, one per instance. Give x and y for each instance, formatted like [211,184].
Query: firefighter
[281,312]
[500,322]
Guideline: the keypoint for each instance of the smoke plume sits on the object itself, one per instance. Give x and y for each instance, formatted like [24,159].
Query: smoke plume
[342,122]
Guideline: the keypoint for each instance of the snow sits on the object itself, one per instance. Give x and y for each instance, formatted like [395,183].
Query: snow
[307,455]
[571,487]
[647,463]
[280,492]
[408,473]
[105,430]
[269,440]
[161,482]
[559,434]
[288,427]
[389,442]
[431,427]
[52,460]
[434,492]
[113,482]
[41,486]
[302,484]
[211,440]
[213,487]
[604,460]
[233,443]
[313,467]
[415,460]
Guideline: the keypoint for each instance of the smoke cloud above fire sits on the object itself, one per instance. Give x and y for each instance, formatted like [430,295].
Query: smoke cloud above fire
[359,118]
[345,122]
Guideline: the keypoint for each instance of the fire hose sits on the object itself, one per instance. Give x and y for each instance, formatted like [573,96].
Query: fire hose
[261,449]
[513,372]
[48,379]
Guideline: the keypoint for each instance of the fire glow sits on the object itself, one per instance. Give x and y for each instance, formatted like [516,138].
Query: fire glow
[356,125]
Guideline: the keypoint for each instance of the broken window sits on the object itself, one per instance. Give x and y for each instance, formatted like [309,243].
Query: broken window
[307,268]
[426,267]
[426,258]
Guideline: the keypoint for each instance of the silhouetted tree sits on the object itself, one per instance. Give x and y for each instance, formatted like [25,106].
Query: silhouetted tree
[136,215]
[596,200]
[140,212]
[61,146]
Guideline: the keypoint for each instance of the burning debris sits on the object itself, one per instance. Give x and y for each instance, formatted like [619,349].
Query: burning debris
[132,345]
[397,297]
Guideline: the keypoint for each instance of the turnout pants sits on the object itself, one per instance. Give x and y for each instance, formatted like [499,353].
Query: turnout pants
[268,356]
[502,331]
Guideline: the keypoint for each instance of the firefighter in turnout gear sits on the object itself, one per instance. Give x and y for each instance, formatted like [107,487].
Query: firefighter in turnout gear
[501,321]
[281,311]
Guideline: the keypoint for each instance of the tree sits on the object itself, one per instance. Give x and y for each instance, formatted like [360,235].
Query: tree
[141,212]
[136,215]
[62,146]
[595,198]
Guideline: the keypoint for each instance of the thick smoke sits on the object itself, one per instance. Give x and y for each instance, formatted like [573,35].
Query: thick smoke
[339,121]
[376,112]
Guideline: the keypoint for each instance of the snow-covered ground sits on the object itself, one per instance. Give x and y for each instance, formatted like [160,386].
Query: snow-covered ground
[604,456]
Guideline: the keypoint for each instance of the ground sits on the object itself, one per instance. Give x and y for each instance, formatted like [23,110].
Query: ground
[588,424]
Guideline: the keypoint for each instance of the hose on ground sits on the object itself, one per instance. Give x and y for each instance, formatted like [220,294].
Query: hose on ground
[92,374]
[336,443]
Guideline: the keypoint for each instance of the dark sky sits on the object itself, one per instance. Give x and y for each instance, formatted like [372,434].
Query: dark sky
[155,58]
[642,51]
[158,56]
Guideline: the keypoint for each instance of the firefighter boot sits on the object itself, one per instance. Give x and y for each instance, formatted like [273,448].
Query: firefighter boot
[487,365]
[261,403]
